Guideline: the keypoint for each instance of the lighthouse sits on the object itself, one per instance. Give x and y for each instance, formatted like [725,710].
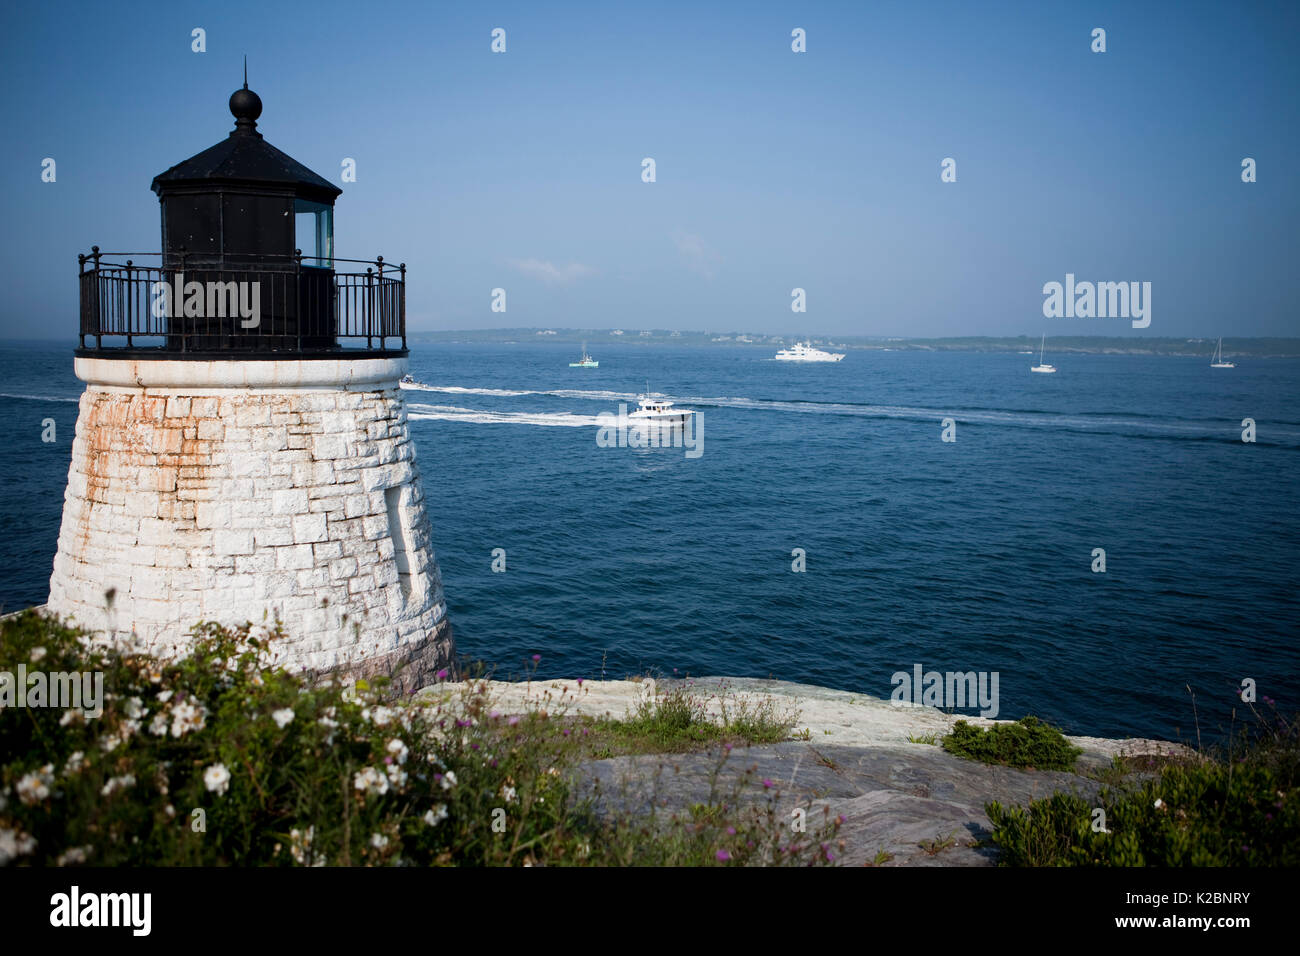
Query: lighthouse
[242,450]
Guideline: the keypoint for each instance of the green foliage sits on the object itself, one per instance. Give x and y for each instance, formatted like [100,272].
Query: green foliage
[1242,809]
[1027,743]
[679,721]
[222,758]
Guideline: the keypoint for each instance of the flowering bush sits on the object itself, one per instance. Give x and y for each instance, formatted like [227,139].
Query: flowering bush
[223,758]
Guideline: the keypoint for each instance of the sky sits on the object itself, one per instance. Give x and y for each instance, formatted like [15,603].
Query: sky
[774,170]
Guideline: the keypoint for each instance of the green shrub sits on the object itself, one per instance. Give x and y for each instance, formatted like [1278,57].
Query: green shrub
[222,758]
[1240,810]
[1027,743]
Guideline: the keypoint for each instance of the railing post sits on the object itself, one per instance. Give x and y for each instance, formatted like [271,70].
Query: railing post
[297,296]
[99,319]
[370,304]
[401,305]
[81,296]
[130,301]
[381,302]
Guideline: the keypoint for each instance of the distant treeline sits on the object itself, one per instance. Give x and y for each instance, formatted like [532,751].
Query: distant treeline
[1057,344]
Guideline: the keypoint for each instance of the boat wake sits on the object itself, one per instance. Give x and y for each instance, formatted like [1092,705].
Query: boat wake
[476,416]
[1284,434]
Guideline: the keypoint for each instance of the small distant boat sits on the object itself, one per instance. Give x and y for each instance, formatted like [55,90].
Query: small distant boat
[408,379]
[586,361]
[804,352]
[1040,367]
[1217,361]
[658,412]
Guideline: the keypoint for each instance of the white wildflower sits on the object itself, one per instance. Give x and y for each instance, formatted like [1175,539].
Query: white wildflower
[436,815]
[37,654]
[14,843]
[300,843]
[186,717]
[165,695]
[75,763]
[370,780]
[217,778]
[117,783]
[449,780]
[283,717]
[397,775]
[508,793]
[398,749]
[73,856]
[35,787]
[158,726]
[378,841]
[134,708]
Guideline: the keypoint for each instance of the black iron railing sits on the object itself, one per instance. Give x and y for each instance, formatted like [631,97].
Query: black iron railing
[201,306]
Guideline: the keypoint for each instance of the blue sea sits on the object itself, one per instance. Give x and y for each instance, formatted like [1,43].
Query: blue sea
[975,554]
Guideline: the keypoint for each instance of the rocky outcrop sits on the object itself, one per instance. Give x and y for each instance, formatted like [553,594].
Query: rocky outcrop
[903,803]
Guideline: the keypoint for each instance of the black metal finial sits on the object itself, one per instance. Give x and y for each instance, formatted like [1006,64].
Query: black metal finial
[246,106]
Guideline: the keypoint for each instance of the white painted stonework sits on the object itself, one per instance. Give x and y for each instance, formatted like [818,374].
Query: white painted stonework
[249,490]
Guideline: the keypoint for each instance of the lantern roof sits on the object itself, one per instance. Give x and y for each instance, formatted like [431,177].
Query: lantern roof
[244,158]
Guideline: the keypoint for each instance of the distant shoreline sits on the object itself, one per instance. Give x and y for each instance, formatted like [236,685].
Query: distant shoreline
[1236,347]
[1244,347]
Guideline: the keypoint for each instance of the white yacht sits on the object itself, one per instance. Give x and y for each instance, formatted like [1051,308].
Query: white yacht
[1217,361]
[660,412]
[1040,367]
[804,352]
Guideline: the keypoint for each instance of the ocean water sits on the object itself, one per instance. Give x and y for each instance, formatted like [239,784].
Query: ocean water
[969,555]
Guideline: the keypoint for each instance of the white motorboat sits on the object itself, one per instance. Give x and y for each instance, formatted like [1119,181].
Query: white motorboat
[658,412]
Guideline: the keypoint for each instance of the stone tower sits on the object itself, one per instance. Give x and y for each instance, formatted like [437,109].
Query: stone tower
[242,450]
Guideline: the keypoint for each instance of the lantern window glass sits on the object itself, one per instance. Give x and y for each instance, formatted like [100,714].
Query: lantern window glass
[314,233]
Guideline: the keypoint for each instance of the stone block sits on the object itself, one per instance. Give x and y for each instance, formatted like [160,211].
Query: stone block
[294,558]
[309,528]
[232,542]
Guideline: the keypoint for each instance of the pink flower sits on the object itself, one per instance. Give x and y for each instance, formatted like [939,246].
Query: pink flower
[442,674]
[723,856]
[767,783]
[537,658]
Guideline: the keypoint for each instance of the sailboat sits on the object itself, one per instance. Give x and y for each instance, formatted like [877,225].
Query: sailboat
[1217,361]
[586,361]
[1040,367]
